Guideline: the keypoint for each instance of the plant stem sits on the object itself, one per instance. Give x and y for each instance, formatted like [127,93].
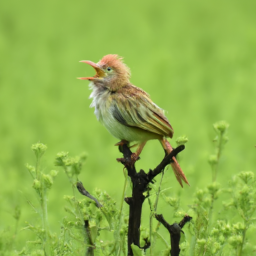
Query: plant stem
[192,246]
[45,221]
[70,180]
[37,168]
[240,250]
[158,192]
[43,203]
[210,212]
[162,238]
[150,226]
[219,151]
[122,200]
[117,235]
[154,210]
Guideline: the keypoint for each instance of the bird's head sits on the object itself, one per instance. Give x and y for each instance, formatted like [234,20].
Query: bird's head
[111,72]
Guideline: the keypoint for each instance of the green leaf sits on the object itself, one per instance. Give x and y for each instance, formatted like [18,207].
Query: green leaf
[136,250]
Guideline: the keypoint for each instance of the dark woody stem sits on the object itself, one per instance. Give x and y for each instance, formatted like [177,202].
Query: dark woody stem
[174,231]
[140,181]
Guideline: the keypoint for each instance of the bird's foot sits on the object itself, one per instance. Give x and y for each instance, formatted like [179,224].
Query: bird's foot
[131,161]
[121,143]
[134,158]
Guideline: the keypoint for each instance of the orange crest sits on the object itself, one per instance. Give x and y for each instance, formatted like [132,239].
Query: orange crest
[116,62]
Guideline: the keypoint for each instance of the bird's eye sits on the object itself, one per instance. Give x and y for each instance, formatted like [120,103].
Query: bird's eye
[109,69]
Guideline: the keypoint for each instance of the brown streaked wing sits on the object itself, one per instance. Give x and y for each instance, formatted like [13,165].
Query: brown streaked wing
[136,109]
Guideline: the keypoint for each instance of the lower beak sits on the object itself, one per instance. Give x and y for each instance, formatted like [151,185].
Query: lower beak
[99,71]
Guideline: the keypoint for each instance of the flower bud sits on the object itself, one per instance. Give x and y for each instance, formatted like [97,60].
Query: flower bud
[54,173]
[213,159]
[61,159]
[31,169]
[239,227]
[174,202]
[213,189]
[235,241]
[39,149]
[246,177]
[201,242]
[38,252]
[48,181]
[37,184]
[200,194]
[181,140]
[215,232]
[221,126]
[215,247]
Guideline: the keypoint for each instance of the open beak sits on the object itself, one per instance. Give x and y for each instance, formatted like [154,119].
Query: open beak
[99,72]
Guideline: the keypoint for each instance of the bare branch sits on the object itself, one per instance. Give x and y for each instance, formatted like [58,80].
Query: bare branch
[174,231]
[84,192]
[90,249]
[140,181]
[167,160]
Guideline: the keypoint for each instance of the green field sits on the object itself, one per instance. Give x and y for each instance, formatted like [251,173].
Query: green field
[197,60]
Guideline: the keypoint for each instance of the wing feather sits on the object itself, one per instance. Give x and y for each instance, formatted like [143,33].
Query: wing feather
[133,107]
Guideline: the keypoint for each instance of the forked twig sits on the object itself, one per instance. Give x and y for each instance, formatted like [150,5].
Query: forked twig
[174,231]
[140,181]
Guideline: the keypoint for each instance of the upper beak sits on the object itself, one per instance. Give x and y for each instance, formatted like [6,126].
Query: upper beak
[99,71]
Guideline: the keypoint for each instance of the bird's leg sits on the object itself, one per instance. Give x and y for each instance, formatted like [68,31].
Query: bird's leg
[166,145]
[175,165]
[121,143]
[135,156]
[133,145]
[140,148]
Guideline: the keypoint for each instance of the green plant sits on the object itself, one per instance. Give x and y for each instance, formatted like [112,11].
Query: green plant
[42,183]
[96,225]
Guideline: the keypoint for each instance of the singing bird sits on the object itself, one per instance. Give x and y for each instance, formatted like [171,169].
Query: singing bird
[127,111]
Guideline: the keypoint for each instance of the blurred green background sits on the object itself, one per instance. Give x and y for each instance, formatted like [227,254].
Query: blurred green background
[197,60]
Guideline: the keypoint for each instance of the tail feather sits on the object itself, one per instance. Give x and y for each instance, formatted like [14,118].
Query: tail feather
[180,176]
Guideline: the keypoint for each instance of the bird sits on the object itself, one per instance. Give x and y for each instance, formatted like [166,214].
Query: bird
[127,111]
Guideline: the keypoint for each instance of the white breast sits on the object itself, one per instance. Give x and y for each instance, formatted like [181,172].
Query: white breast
[103,112]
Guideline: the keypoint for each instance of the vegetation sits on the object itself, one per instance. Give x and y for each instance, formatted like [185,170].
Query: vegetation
[196,60]
[82,229]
